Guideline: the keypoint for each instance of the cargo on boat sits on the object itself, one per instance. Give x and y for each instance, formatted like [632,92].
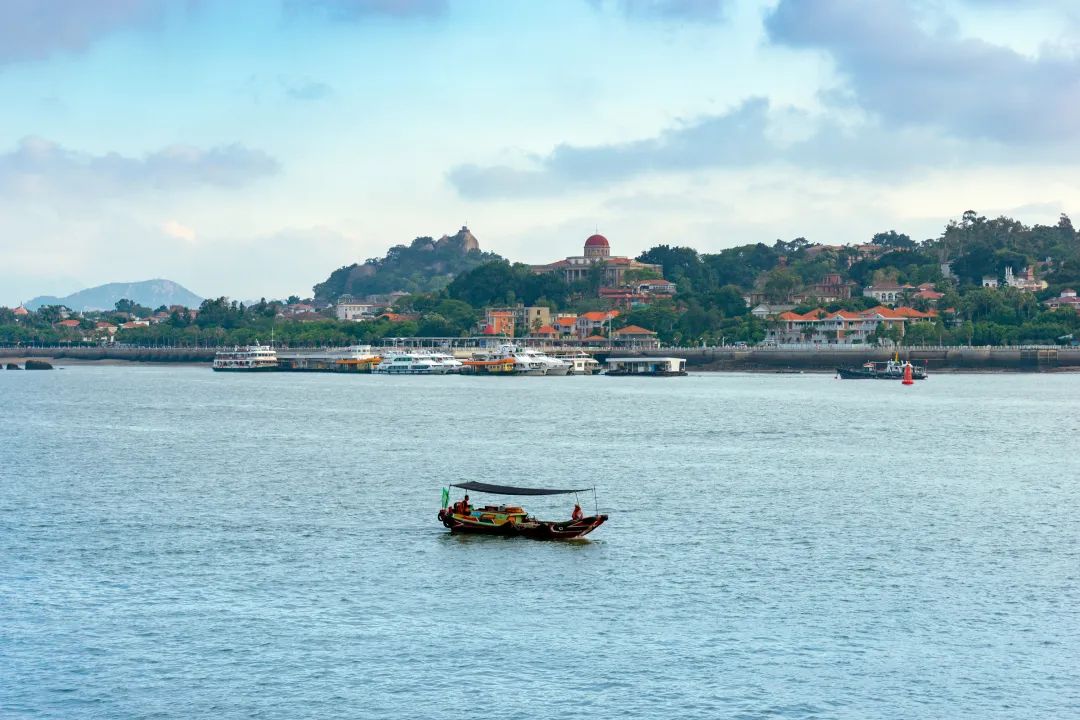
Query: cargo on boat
[512,520]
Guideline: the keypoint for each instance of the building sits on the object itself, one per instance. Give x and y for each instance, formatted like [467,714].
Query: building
[1067,298]
[597,252]
[529,317]
[566,325]
[765,310]
[634,336]
[20,311]
[597,322]
[498,322]
[69,324]
[547,332]
[350,308]
[842,327]
[886,292]
[832,288]
[1025,280]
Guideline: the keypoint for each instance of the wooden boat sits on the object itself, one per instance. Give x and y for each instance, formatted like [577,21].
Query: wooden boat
[512,520]
[891,370]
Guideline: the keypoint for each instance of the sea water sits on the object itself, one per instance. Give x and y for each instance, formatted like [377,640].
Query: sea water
[176,543]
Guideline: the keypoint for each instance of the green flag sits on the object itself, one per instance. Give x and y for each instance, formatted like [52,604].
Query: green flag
[445,497]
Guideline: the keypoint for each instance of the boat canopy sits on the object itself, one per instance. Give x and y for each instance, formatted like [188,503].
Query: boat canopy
[511,490]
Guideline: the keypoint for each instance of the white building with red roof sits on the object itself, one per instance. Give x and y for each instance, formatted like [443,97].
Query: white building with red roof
[1067,298]
[842,327]
[597,252]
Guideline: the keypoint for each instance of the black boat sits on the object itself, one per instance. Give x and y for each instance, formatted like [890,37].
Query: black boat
[512,520]
[891,370]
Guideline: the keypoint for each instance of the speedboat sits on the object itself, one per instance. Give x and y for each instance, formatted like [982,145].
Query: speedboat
[512,520]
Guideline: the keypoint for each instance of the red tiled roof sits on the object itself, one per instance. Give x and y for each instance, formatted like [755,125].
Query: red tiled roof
[595,337]
[633,330]
[598,316]
[68,323]
[566,321]
[546,330]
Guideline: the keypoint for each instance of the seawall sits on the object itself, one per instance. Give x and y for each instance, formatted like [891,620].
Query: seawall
[767,359]
[1029,359]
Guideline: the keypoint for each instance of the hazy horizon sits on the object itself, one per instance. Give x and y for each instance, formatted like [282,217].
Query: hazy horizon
[250,148]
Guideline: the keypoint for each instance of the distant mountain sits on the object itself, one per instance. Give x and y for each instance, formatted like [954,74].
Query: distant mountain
[151,293]
[424,265]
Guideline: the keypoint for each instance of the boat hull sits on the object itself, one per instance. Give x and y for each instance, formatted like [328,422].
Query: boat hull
[263,368]
[532,529]
[850,373]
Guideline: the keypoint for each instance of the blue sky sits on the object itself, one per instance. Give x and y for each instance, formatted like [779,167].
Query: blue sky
[249,148]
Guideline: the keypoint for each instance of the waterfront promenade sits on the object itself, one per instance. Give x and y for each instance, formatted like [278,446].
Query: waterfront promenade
[729,358]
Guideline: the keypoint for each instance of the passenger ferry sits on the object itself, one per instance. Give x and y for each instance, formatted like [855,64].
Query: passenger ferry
[646,366]
[410,363]
[253,358]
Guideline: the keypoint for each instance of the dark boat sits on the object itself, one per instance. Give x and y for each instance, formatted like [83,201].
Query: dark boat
[512,520]
[891,370]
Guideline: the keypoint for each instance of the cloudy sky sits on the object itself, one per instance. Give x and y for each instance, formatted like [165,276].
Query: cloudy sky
[248,148]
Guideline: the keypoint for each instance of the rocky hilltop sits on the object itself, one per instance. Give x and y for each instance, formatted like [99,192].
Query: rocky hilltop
[424,265]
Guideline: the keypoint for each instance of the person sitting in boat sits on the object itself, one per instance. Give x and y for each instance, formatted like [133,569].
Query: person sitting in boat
[463,507]
[577,514]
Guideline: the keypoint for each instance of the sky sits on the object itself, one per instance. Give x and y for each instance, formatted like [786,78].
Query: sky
[247,148]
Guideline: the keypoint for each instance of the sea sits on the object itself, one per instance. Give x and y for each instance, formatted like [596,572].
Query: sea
[178,543]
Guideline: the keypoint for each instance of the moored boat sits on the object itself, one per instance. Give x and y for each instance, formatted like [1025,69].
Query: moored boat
[891,370]
[512,520]
[253,358]
[646,366]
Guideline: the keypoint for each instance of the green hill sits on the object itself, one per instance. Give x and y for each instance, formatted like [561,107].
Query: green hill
[425,265]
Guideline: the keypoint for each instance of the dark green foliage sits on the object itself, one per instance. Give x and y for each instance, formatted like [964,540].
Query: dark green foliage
[500,283]
[425,265]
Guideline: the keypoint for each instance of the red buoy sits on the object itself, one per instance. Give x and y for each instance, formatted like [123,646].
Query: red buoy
[907,375]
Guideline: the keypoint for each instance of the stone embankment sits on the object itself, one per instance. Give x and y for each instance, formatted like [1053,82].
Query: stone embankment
[765,359]
[133,354]
[776,359]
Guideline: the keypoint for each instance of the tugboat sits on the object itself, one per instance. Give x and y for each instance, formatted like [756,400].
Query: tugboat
[891,370]
[512,520]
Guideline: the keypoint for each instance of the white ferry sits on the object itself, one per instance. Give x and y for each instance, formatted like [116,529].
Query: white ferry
[409,363]
[253,358]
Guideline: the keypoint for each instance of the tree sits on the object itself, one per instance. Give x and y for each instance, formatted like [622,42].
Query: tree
[893,239]
[780,284]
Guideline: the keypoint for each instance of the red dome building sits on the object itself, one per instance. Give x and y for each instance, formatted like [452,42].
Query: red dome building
[597,252]
[597,246]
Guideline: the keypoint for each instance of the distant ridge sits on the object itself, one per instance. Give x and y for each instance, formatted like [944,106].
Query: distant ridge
[151,293]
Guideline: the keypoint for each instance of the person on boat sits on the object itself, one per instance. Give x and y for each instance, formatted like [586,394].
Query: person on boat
[463,507]
[577,514]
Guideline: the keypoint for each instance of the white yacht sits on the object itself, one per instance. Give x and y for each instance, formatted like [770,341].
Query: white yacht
[252,358]
[452,364]
[553,365]
[528,361]
[397,362]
